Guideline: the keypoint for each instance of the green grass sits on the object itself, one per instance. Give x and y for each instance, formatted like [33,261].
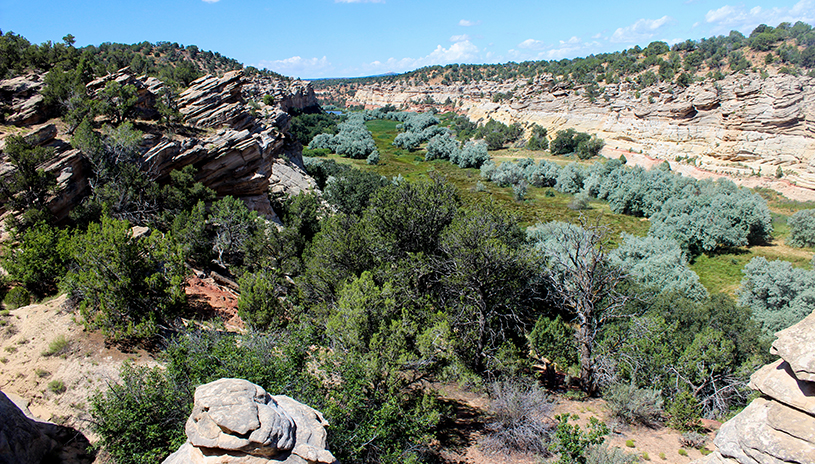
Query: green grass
[57,346]
[720,272]
[537,207]
[57,386]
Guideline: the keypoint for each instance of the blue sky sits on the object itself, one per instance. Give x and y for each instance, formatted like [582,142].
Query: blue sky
[349,38]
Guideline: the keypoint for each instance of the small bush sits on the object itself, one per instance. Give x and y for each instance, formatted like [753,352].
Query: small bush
[521,418]
[635,405]
[373,158]
[629,443]
[57,386]
[41,372]
[682,452]
[684,412]
[645,456]
[4,312]
[693,440]
[17,297]
[802,228]
[57,346]
[662,456]
[607,455]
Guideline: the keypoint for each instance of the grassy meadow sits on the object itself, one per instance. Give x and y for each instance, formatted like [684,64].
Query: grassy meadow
[719,272]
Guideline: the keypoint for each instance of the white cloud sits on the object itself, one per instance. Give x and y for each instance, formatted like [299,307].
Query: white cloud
[568,48]
[531,44]
[211,1]
[741,18]
[468,23]
[460,38]
[459,52]
[359,1]
[297,66]
[642,30]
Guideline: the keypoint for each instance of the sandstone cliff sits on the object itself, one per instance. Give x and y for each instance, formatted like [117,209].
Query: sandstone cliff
[742,125]
[239,147]
[779,427]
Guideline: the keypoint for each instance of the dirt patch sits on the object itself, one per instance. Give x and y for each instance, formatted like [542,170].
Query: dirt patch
[209,300]
[84,366]
[460,442]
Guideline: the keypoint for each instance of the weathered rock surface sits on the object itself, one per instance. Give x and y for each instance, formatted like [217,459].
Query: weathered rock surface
[779,427]
[238,149]
[287,94]
[20,97]
[235,421]
[26,441]
[147,88]
[796,344]
[741,125]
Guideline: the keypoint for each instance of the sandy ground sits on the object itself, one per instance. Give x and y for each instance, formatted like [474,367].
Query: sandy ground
[84,367]
[651,442]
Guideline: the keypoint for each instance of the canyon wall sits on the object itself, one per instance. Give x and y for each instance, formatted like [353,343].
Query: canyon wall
[744,126]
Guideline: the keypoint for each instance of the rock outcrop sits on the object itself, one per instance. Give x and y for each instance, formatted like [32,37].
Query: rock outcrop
[742,125]
[238,148]
[235,421]
[779,427]
[24,440]
[20,98]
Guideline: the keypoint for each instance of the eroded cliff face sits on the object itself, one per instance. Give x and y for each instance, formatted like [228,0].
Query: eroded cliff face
[239,147]
[744,125]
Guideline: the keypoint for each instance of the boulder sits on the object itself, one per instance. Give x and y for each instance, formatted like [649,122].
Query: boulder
[779,427]
[24,440]
[235,421]
[20,98]
[795,346]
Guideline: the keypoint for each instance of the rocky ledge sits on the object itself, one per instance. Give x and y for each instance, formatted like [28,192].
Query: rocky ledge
[239,148]
[743,125]
[25,440]
[235,421]
[779,427]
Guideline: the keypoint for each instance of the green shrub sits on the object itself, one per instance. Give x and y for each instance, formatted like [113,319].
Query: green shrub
[17,297]
[57,346]
[645,456]
[802,228]
[684,412]
[124,285]
[259,306]
[629,443]
[634,405]
[682,452]
[57,386]
[662,456]
[140,419]
[572,442]
[41,373]
[38,258]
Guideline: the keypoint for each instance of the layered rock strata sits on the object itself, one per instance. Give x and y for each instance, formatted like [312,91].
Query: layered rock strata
[20,98]
[235,421]
[779,427]
[742,125]
[238,148]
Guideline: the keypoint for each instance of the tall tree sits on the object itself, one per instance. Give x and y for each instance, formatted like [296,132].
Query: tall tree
[583,284]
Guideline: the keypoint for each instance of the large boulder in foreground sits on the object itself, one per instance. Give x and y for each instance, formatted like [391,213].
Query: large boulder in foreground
[779,427]
[235,421]
[24,440]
